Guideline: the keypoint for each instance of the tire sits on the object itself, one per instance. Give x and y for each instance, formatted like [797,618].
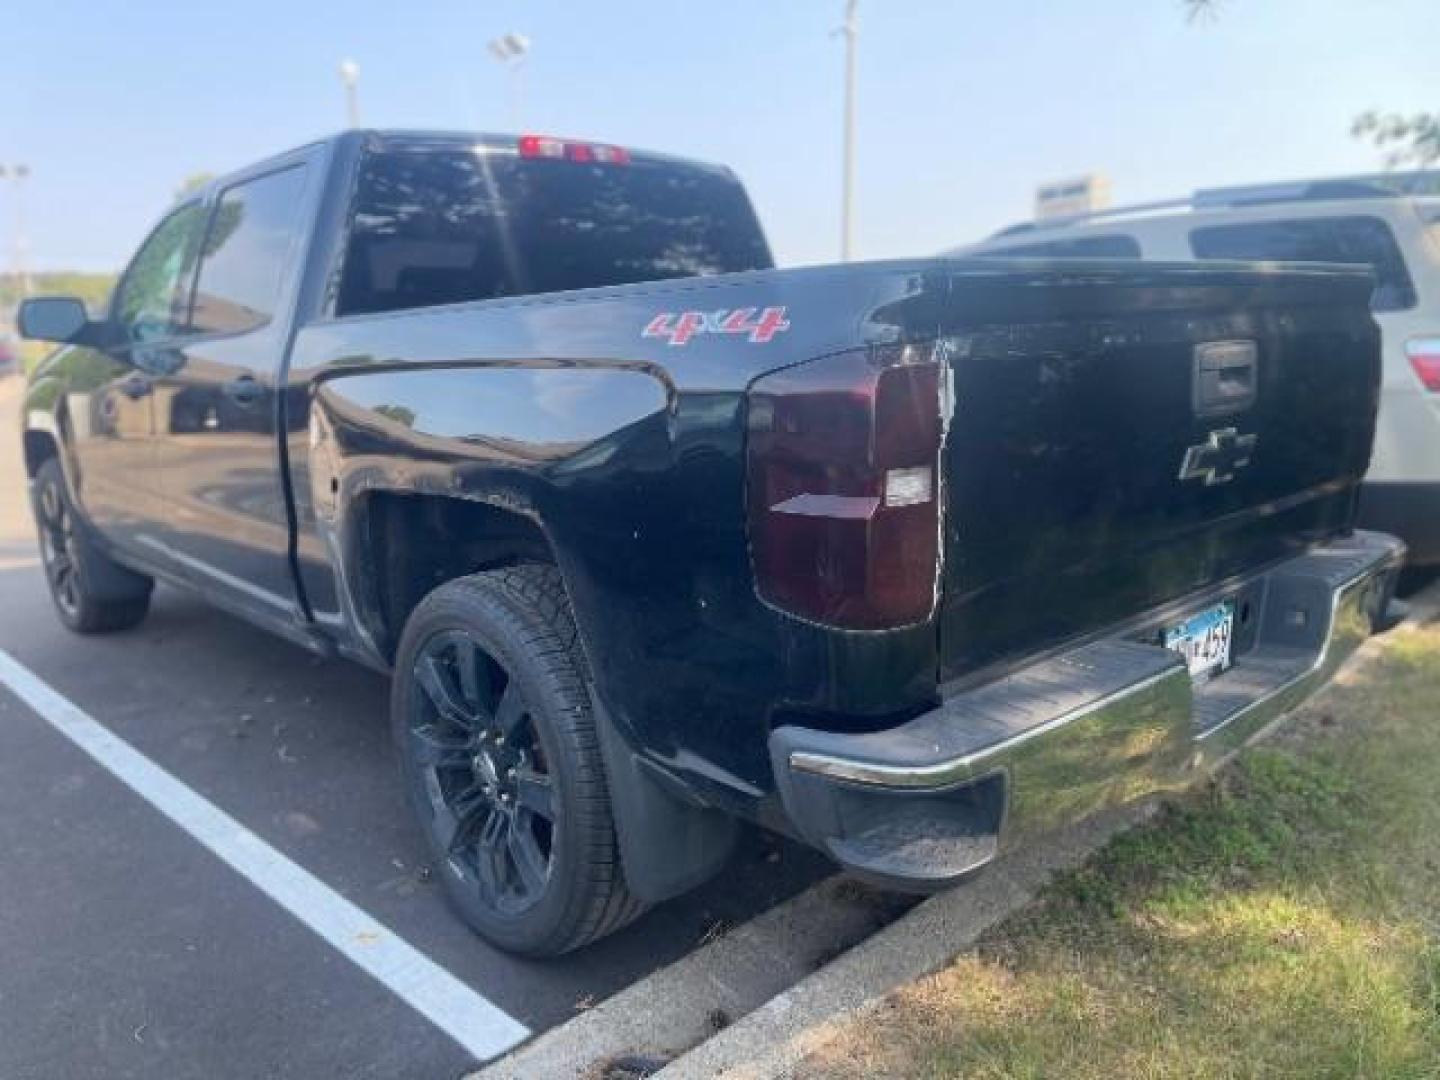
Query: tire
[499,758]
[93,594]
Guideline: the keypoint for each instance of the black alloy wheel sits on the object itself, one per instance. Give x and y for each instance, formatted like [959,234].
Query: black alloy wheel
[493,720]
[56,526]
[492,798]
[92,593]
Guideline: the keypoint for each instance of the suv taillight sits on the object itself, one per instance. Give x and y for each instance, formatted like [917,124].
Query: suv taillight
[1424,354]
[843,487]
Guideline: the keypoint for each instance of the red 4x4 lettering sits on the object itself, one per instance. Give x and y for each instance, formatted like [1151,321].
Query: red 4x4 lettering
[743,321]
[678,327]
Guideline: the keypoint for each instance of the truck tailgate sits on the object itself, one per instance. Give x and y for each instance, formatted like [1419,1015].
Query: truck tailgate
[1121,440]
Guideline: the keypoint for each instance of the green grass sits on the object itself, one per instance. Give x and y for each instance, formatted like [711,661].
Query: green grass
[1282,922]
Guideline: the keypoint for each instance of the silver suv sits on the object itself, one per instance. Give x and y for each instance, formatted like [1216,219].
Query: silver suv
[1390,221]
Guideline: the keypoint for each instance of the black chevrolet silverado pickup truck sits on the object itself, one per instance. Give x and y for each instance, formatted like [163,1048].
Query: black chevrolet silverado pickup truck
[905,559]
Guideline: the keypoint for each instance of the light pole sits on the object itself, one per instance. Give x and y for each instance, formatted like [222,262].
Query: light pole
[510,49]
[849,31]
[350,76]
[18,173]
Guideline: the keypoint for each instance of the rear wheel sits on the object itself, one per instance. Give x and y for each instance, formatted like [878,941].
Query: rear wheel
[499,756]
[93,594]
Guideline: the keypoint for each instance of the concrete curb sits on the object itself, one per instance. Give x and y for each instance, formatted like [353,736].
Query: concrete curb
[680,1006]
[774,1039]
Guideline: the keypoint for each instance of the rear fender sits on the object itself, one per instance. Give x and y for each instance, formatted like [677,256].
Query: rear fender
[529,439]
[547,443]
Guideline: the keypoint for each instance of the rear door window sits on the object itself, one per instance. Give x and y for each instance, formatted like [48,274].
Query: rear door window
[1115,246]
[1358,239]
[246,251]
[443,226]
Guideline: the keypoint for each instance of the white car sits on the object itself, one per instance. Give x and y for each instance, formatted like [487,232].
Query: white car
[1390,221]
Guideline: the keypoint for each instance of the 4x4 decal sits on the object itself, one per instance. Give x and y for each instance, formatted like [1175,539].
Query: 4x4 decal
[678,327]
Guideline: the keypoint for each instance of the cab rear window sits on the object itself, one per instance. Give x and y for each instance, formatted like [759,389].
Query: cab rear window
[442,226]
[1358,239]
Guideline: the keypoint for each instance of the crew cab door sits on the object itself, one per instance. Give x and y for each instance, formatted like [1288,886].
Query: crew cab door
[218,408]
[110,400]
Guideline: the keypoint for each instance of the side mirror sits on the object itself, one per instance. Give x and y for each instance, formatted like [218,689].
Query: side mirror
[53,318]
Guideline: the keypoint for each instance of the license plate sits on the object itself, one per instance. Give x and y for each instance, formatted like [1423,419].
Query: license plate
[1204,640]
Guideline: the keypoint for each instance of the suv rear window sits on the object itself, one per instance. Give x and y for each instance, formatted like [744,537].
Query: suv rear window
[1366,240]
[1117,246]
[451,225]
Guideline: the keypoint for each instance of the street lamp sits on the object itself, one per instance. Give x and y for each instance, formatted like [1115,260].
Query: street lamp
[510,49]
[350,76]
[17,174]
[849,31]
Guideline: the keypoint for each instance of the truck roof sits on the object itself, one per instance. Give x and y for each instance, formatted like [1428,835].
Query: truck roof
[399,138]
[394,137]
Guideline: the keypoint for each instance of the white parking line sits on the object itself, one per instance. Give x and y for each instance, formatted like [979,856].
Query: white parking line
[472,1021]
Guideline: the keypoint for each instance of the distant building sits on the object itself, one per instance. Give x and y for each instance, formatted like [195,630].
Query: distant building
[1077,195]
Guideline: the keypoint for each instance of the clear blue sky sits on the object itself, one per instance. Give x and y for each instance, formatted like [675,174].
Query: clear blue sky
[964,106]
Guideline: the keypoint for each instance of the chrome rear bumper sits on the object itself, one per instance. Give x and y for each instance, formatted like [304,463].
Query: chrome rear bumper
[923,804]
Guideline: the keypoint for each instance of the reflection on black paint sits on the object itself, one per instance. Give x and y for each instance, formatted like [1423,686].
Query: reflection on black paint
[447,226]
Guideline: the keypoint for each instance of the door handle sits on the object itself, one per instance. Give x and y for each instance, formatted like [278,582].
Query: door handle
[245,390]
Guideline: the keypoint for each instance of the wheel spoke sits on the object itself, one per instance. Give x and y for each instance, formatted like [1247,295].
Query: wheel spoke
[460,820]
[59,566]
[436,749]
[470,801]
[490,853]
[536,793]
[510,710]
[431,677]
[61,570]
[470,669]
[530,862]
[51,509]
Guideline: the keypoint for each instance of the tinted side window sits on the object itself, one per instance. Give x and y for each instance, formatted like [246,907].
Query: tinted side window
[441,226]
[1365,240]
[152,298]
[242,261]
[1118,246]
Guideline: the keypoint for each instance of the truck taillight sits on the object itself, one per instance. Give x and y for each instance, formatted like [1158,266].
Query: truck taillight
[843,487]
[1424,354]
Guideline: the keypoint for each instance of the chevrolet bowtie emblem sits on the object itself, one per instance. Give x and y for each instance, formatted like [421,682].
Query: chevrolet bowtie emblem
[1218,458]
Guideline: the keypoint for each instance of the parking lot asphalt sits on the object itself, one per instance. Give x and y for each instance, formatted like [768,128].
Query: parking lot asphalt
[128,949]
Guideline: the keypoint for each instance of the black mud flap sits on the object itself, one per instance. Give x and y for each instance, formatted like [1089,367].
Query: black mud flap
[669,844]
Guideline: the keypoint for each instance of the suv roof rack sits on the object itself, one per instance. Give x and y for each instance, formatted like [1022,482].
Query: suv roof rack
[1384,185]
